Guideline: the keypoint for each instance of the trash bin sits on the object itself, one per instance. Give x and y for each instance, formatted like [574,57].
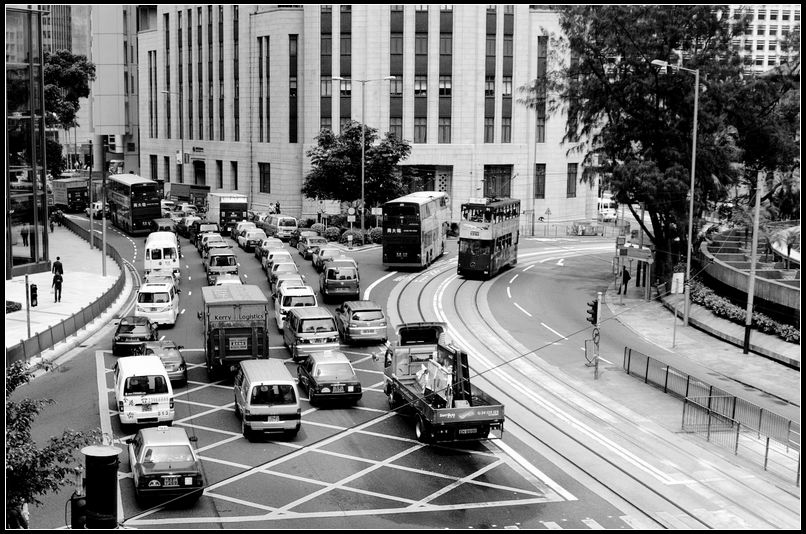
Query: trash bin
[34,297]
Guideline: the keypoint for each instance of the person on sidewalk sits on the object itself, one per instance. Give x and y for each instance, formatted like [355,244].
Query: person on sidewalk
[51,224]
[625,279]
[57,287]
[277,207]
[57,266]
[25,231]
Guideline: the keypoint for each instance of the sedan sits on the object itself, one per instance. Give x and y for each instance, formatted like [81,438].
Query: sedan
[171,358]
[130,335]
[165,465]
[307,245]
[298,234]
[266,245]
[322,256]
[278,268]
[329,374]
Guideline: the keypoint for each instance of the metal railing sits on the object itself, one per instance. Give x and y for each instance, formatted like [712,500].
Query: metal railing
[762,436]
[46,339]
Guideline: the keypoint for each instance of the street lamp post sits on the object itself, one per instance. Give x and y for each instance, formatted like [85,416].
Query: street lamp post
[687,285]
[181,176]
[363,109]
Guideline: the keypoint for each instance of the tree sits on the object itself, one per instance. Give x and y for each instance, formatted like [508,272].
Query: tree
[55,159]
[67,79]
[31,471]
[635,121]
[336,162]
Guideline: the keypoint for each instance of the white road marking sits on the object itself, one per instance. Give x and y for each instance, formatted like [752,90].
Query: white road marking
[561,262]
[554,331]
[513,278]
[527,268]
[375,283]
[521,309]
[509,294]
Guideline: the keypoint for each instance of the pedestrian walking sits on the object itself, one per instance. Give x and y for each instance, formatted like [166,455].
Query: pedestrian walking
[57,287]
[60,217]
[51,223]
[25,231]
[277,207]
[625,279]
[57,266]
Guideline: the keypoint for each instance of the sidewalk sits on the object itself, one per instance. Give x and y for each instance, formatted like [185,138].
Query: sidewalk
[83,283]
[755,378]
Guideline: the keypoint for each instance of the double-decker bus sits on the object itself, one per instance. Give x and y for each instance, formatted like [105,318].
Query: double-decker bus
[488,236]
[415,227]
[133,202]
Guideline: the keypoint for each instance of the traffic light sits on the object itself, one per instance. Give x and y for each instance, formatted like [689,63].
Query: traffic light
[593,312]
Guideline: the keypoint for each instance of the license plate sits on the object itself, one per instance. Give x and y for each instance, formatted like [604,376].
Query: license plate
[272,418]
[170,482]
[467,430]
[318,340]
[237,343]
[146,407]
[338,389]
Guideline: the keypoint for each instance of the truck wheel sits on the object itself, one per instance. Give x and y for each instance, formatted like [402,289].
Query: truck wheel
[423,430]
[245,430]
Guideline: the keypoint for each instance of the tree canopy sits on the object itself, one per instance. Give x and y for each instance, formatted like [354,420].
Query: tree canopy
[634,122]
[32,471]
[67,79]
[336,166]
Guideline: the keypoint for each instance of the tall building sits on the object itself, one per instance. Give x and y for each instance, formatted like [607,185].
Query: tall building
[56,27]
[771,25]
[243,90]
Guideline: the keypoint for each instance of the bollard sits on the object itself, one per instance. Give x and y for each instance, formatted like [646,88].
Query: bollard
[102,485]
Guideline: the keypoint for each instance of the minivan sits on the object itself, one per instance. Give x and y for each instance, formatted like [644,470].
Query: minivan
[143,392]
[292,297]
[281,226]
[339,281]
[163,225]
[266,398]
[158,302]
[220,261]
[309,329]
[162,253]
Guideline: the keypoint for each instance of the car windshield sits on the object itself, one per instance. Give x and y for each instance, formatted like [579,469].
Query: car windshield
[168,453]
[285,268]
[368,315]
[328,253]
[145,385]
[341,273]
[153,298]
[337,370]
[313,326]
[316,241]
[274,394]
[208,228]
[299,300]
[287,222]
[223,261]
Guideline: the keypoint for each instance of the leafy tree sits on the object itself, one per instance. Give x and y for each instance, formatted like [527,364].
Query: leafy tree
[635,122]
[336,162]
[55,159]
[67,79]
[30,471]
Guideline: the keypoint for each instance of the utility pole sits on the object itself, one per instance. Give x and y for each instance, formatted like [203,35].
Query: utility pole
[751,286]
[92,236]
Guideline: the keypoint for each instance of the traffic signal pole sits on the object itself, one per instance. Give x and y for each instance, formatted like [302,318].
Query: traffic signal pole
[594,308]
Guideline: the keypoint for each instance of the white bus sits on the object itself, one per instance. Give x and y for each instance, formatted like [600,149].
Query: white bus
[415,227]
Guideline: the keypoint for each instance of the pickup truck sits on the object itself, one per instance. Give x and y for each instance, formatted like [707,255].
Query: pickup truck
[430,378]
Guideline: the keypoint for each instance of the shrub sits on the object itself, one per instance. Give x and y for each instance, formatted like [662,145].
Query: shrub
[332,233]
[338,220]
[319,228]
[376,234]
[307,223]
[358,237]
[12,306]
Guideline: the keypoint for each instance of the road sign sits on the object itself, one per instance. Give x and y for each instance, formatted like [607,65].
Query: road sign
[351,211]
[596,336]
[377,211]
[548,211]
[351,218]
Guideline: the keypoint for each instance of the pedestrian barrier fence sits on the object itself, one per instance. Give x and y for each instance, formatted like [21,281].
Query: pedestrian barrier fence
[756,433]
[46,339]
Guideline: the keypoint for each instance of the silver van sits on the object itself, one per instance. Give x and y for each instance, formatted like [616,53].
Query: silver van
[309,329]
[266,398]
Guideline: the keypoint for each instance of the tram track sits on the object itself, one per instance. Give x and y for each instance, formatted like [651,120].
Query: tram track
[422,297]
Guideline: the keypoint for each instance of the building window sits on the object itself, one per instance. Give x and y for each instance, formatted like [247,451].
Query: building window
[420,85]
[396,43]
[507,46]
[571,186]
[762,14]
[346,87]
[444,86]
[760,29]
[346,45]
[490,45]
[773,31]
[264,170]
[773,15]
[760,45]
[326,86]
[489,131]
[234,169]
[421,7]
[507,89]
[421,43]
[446,7]
[292,87]
[444,132]
[166,168]
[540,132]
[327,45]
[445,43]
[396,7]
[420,130]
[497,181]
[540,180]
[489,86]
[396,87]
[326,123]
[748,46]
[506,130]
[785,15]
[219,171]
[396,127]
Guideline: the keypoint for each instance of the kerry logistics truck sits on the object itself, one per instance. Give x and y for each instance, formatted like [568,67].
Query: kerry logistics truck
[236,326]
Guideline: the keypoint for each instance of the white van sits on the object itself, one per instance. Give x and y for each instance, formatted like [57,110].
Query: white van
[292,297]
[143,392]
[281,226]
[159,302]
[162,253]
[266,398]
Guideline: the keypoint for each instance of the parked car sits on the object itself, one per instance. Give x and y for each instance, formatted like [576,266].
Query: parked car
[298,234]
[172,359]
[320,257]
[361,320]
[130,334]
[165,465]
[308,244]
[241,227]
[329,375]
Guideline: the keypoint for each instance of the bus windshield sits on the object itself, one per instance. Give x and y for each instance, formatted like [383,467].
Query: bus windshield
[406,214]
[145,193]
